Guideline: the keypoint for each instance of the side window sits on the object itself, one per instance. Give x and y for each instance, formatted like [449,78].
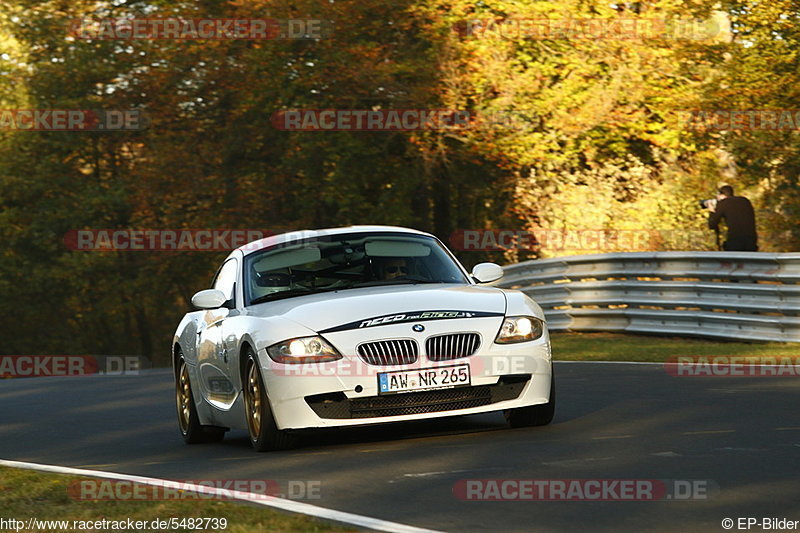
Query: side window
[226,278]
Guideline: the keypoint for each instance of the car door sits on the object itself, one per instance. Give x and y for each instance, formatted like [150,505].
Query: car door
[212,349]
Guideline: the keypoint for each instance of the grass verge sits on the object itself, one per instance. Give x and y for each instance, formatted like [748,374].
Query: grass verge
[626,347]
[28,494]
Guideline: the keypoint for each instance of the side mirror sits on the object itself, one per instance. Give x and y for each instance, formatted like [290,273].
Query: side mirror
[487,272]
[209,299]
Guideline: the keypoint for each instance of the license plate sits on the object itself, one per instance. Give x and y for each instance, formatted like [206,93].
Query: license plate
[444,377]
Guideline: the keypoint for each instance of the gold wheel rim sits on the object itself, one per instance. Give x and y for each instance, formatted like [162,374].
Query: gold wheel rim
[183,397]
[253,401]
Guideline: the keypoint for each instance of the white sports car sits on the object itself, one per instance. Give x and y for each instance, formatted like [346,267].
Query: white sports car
[352,326]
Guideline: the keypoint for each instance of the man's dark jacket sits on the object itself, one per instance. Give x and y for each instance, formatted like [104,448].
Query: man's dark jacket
[741,220]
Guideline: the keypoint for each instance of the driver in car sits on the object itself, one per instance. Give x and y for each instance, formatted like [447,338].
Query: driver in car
[395,268]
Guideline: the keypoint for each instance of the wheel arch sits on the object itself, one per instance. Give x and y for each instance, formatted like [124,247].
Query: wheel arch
[177,351]
[246,346]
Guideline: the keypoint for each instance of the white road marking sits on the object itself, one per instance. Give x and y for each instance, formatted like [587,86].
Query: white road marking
[310,453]
[734,391]
[661,363]
[423,475]
[428,474]
[577,462]
[260,499]
[735,449]
[709,432]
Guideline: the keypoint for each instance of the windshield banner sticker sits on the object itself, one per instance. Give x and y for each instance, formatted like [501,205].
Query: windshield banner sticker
[409,317]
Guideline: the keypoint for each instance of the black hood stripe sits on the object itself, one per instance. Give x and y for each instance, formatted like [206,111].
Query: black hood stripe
[409,316]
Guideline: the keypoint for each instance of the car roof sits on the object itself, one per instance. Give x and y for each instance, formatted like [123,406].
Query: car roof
[272,240]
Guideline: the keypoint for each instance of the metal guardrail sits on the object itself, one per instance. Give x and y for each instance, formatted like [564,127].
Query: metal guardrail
[734,295]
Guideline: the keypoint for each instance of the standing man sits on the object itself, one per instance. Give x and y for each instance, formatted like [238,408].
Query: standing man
[740,218]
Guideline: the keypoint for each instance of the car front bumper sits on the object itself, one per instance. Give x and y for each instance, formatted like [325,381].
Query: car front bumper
[346,392]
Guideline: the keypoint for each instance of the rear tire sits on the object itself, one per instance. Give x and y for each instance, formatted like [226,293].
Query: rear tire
[188,420]
[534,415]
[264,432]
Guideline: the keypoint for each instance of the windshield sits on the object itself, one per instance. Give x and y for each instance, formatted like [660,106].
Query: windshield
[346,261]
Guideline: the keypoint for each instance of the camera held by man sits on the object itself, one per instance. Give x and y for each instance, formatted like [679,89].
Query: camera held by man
[739,216]
[708,204]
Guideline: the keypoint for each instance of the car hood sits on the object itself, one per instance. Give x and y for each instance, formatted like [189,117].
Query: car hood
[348,309]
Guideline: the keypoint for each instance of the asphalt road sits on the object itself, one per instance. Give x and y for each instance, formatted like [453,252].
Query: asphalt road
[613,421]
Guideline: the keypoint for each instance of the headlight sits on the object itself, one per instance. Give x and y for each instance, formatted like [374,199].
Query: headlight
[519,329]
[303,350]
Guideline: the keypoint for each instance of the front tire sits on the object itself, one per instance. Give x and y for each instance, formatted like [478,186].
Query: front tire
[534,415]
[264,432]
[188,420]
